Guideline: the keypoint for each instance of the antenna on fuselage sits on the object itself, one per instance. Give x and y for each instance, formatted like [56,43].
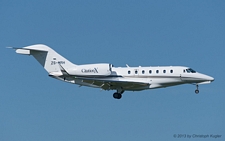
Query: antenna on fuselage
[127,66]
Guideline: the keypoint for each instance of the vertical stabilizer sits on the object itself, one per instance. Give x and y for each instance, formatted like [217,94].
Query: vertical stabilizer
[47,57]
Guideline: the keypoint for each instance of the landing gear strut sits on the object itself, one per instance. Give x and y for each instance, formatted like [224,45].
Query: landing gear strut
[118,94]
[197,91]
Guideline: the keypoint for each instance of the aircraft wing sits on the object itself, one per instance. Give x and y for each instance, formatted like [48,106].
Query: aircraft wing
[108,84]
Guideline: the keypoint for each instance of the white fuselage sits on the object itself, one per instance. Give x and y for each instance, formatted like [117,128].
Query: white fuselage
[162,76]
[156,77]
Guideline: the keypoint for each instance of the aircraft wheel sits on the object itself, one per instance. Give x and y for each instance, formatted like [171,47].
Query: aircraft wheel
[117,95]
[196,91]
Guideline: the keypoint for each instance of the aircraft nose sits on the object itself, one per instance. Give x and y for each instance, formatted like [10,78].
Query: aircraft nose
[209,78]
[205,78]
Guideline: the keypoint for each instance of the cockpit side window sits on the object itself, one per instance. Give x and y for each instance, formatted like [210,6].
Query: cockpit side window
[190,70]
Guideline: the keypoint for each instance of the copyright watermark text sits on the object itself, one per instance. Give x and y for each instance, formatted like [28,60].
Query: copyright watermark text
[202,136]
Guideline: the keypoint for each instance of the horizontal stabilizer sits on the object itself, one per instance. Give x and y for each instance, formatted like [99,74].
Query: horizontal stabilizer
[23,51]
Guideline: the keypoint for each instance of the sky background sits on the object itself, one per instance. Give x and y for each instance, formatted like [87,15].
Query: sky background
[35,107]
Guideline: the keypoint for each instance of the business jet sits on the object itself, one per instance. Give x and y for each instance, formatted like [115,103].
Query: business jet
[107,77]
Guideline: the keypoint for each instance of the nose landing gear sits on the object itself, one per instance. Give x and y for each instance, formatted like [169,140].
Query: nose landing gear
[197,91]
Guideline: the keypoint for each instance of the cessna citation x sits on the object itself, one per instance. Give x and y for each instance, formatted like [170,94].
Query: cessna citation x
[107,77]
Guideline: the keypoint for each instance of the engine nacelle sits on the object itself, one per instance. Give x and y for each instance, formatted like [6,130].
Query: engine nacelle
[92,70]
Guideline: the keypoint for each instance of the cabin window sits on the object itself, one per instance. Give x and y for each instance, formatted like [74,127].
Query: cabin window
[157,71]
[184,71]
[171,71]
[150,71]
[136,72]
[164,71]
[143,72]
[128,72]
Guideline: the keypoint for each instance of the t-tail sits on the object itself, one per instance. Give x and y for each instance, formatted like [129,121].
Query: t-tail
[47,57]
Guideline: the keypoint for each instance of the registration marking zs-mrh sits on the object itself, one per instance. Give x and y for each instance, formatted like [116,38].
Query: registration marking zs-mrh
[107,77]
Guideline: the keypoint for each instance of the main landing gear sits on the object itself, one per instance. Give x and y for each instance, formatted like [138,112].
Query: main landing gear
[118,94]
[197,91]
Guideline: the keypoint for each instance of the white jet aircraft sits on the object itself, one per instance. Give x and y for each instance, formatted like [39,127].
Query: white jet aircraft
[107,77]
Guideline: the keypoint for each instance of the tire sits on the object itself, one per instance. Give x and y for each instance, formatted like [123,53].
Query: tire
[117,95]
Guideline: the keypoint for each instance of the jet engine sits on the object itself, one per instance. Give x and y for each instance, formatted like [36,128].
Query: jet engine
[92,70]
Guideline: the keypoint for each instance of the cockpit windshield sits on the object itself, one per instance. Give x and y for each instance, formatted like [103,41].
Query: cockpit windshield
[189,70]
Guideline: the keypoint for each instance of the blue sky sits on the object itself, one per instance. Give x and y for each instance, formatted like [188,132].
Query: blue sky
[36,107]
